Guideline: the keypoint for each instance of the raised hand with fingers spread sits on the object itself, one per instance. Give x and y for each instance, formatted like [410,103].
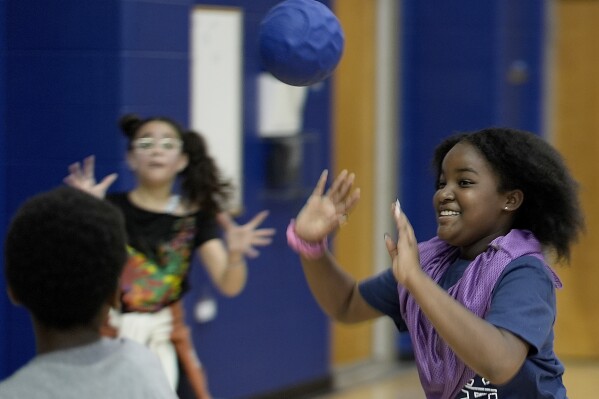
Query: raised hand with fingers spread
[325,212]
[83,178]
[242,239]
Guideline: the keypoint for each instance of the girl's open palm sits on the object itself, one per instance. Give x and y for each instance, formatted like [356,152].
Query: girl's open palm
[243,239]
[83,178]
[322,214]
[404,252]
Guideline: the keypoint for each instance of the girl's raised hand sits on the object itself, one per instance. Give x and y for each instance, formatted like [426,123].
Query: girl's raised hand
[83,178]
[242,239]
[404,252]
[324,213]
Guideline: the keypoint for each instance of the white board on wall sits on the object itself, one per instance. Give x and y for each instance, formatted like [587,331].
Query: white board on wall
[216,92]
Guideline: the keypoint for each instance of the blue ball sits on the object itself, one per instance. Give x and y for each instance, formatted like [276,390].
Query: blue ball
[301,42]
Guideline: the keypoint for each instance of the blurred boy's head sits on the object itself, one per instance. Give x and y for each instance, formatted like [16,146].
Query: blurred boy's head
[64,253]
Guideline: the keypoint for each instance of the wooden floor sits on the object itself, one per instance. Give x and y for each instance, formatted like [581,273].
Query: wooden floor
[400,381]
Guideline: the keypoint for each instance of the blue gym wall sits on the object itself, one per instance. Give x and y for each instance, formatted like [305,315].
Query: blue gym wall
[61,100]
[455,61]
[68,72]
[4,343]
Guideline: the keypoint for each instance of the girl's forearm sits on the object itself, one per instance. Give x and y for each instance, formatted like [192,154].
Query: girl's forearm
[492,353]
[234,276]
[336,291]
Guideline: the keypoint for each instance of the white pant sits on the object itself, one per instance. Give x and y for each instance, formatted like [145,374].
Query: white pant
[154,331]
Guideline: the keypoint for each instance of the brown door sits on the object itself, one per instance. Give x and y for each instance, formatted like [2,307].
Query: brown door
[353,144]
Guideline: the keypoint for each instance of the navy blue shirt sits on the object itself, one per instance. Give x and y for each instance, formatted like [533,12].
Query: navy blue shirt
[523,302]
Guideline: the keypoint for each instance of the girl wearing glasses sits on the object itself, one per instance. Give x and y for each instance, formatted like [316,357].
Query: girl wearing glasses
[174,210]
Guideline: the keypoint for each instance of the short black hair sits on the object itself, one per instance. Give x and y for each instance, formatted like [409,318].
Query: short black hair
[64,252]
[525,161]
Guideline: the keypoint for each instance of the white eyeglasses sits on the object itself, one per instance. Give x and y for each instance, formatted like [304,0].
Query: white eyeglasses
[165,143]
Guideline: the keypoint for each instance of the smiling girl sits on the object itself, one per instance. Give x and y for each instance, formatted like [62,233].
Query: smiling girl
[479,298]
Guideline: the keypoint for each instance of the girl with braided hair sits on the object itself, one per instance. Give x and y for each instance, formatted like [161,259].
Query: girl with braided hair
[478,299]
[174,211]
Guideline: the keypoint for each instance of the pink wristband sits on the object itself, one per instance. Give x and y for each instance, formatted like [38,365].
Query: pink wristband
[309,250]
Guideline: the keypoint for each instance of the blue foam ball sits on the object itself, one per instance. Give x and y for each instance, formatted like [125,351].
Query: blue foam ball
[301,42]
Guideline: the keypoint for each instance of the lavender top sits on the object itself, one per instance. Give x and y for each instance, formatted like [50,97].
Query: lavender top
[442,373]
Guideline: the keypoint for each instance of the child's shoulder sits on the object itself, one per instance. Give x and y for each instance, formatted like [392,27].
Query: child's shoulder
[526,261]
[532,270]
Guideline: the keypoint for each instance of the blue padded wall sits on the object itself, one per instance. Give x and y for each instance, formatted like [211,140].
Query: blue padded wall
[71,70]
[455,61]
[520,56]
[4,307]
[61,80]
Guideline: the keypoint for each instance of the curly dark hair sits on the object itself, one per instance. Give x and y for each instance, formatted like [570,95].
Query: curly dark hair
[201,181]
[64,253]
[525,161]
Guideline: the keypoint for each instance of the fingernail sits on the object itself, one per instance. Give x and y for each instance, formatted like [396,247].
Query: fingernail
[397,208]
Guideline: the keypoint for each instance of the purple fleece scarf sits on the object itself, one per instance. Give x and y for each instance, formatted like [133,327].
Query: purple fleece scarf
[441,372]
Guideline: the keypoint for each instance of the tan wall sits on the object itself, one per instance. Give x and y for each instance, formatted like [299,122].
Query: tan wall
[575,122]
[353,144]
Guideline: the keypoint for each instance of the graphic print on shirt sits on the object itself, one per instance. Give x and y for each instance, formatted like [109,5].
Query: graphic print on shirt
[479,388]
[150,282]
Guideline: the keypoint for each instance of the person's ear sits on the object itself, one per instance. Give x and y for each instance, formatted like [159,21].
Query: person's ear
[513,200]
[12,297]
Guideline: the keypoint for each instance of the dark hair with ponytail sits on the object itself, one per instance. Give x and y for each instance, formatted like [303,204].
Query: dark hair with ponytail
[201,181]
